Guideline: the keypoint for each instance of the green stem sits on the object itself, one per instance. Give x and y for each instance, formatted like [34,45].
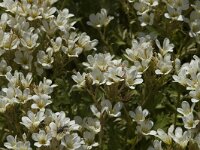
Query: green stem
[103,39]
[177,103]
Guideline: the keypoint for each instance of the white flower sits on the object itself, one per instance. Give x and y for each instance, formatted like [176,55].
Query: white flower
[132,78]
[164,64]
[62,20]
[3,104]
[56,44]
[197,139]
[71,141]
[146,19]
[100,19]
[97,76]
[189,121]
[195,28]
[4,68]
[23,145]
[181,77]
[29,40]
[139,114]
[164,136]
[49,27]
[79,79]
[44,59]
[167,47]
[89,138]
[10,96]
[45,87]
[10,5]
[141,8]
[95,111]
[11,142]
[23,96]
[156,145]
[186,109]
[112,111]
[140,53]
[61,125]
[42,138]
[72,50]
[114,75]
[33,120]
[145,128]
[40,102]
[34,13]
[181,4]
[100,61]
[48,12]
[195,94]
[174,14]
[19,80]
[151,3]
[92,124]
[10,41]
[19,24]
[3,21]
[180,137]
[24,59]
[85,43]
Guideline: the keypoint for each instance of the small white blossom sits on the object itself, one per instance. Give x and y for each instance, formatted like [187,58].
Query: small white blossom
[92,124]
[112,111]
[44,59]
[4,68]
[45,87]
[164,64]
[42,138]
[49,27]
[174,14]
[186,109]
[79,79]
[61,125]
[71,141]
[29,40]
[132,78]
[10,41]
[146,19]
[32,120]
[89,138]
[180,137]
[97,76]
[151,3]
[189,121]
[139,114]
[34,13]
[40,102]
[167,47]
[3,104]
[197,139]
[56,44]
[145,128]
[156,145]
[100,19]
[164,136]
[23,96]
[24,59]
[141,8]
[11,142]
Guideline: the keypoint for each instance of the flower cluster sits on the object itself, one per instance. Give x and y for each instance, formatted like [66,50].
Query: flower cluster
[106,70]
[145,9]
[39,20]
